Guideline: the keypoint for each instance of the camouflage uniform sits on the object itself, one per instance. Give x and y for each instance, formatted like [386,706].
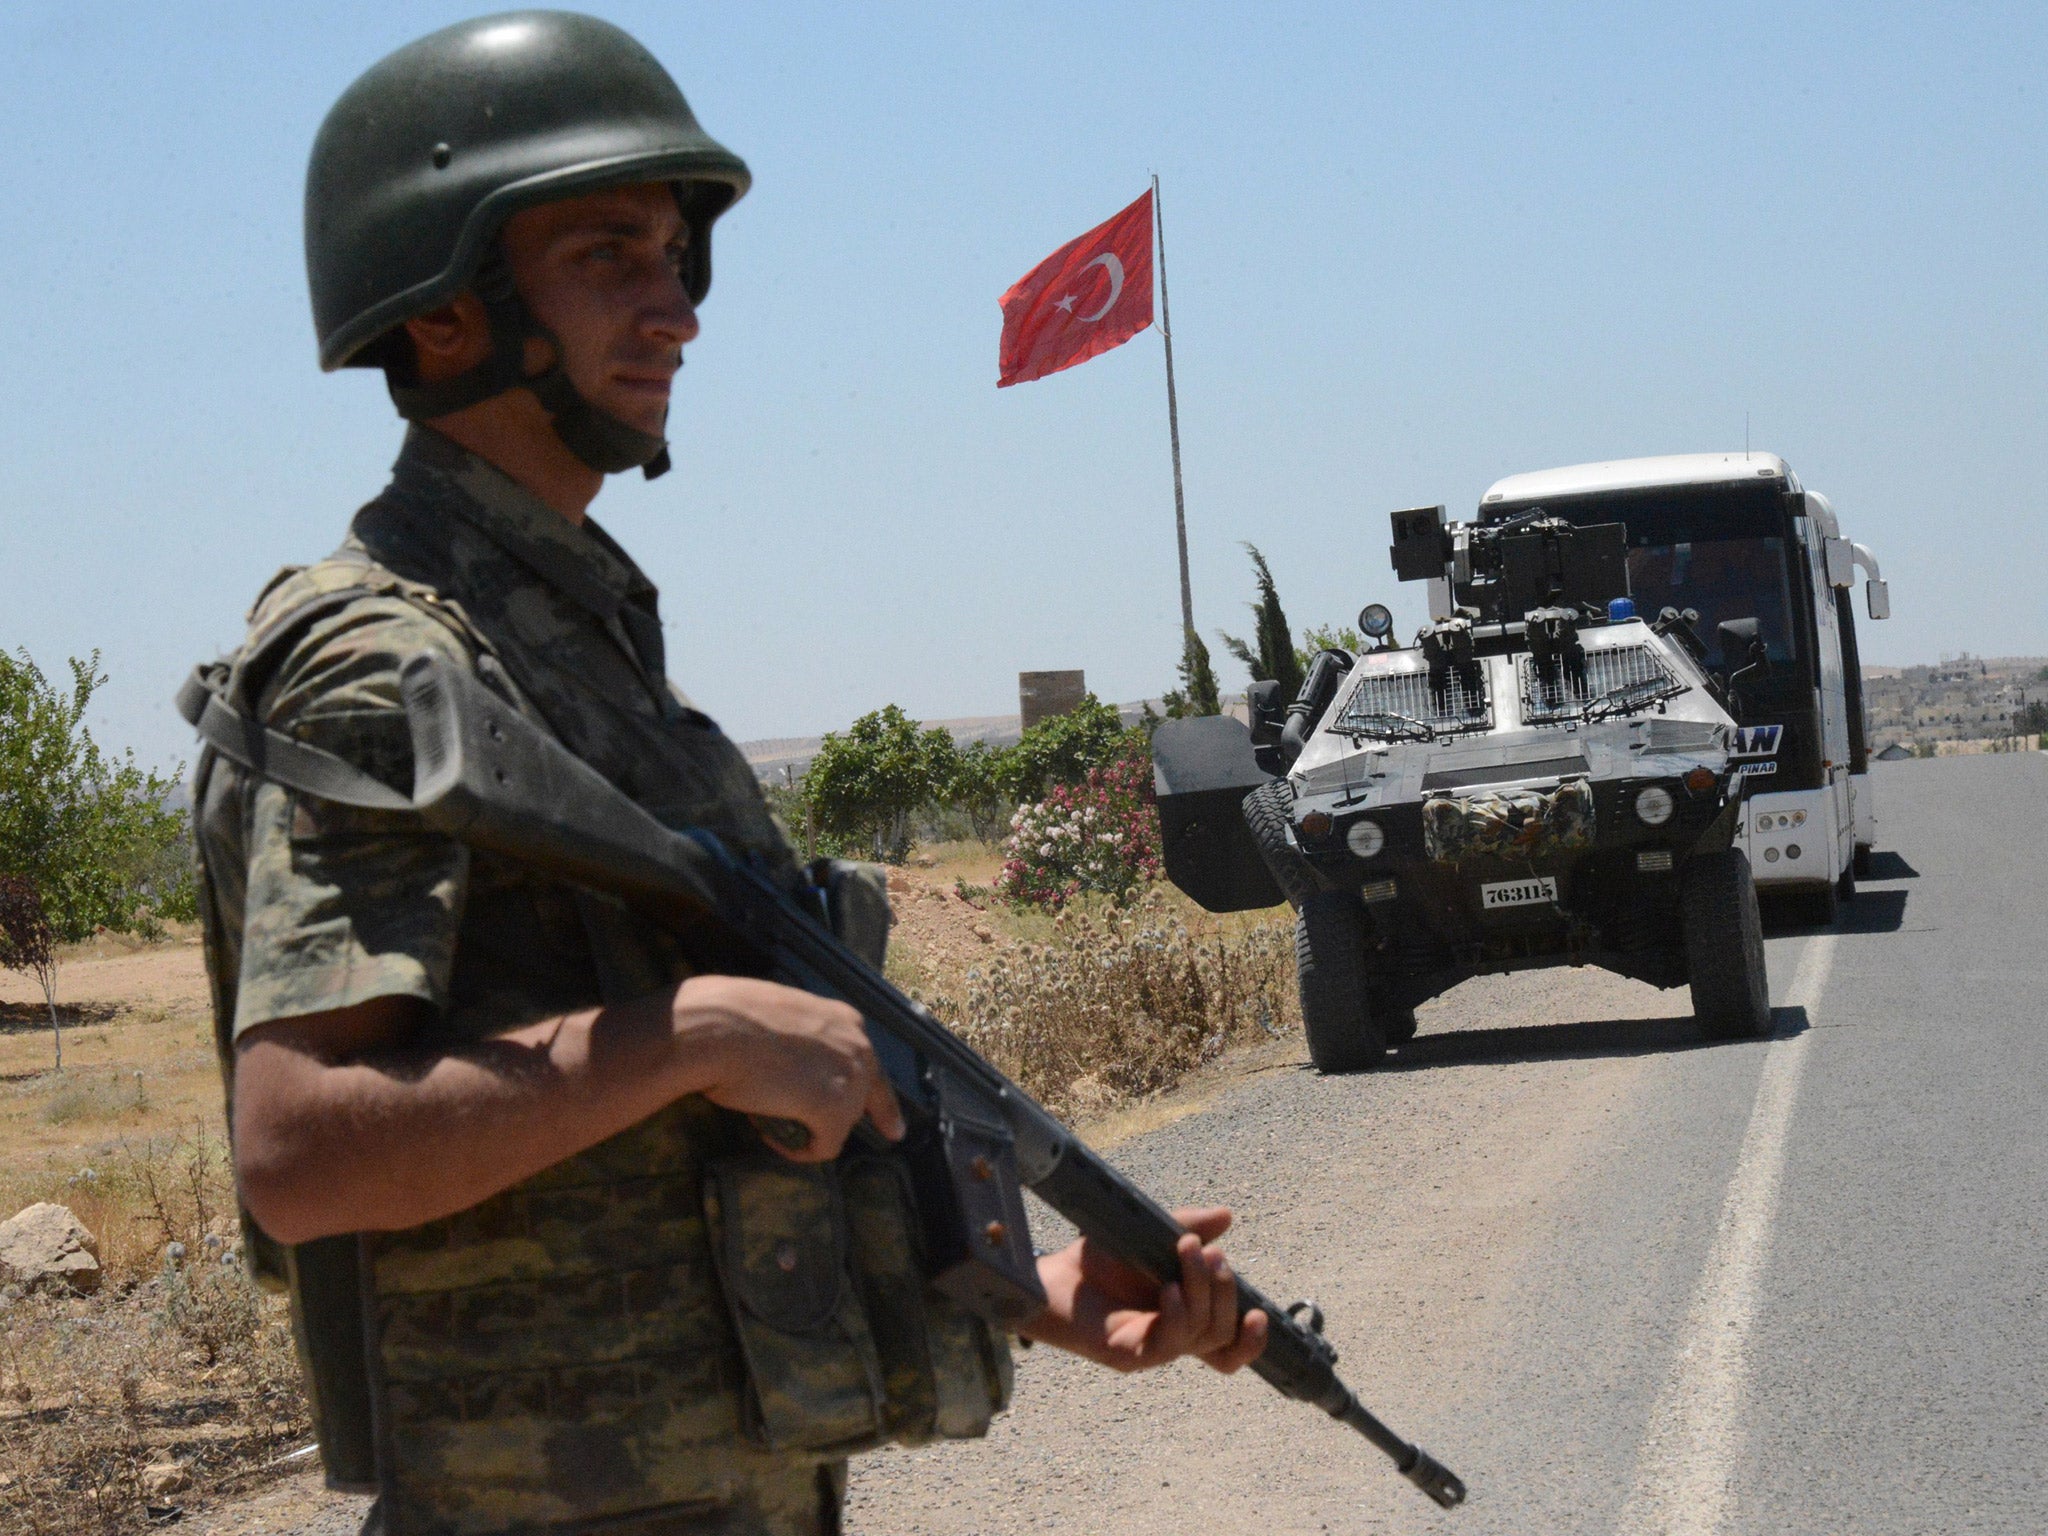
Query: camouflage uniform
[564,1356]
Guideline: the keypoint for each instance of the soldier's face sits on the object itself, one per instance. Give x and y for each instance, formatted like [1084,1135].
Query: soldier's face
[603,274]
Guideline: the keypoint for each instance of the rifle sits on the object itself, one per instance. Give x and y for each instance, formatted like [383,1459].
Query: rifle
[486,775]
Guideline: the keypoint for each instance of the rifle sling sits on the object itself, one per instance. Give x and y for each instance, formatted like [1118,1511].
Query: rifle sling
[272,755]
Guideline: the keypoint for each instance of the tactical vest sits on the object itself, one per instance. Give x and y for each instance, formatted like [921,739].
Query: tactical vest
[624,1331]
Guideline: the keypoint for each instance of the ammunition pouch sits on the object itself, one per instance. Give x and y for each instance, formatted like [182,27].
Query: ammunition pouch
[846,1345]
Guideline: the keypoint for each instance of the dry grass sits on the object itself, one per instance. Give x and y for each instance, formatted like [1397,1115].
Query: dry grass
[182,1362]
[1103,1005]
[179,1359]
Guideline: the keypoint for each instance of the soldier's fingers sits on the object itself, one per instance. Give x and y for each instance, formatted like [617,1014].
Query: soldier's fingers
[1208,1222]
[883,1109]
[1222,1319]
[1169,1336]
[1196,1286]
[1251,1340]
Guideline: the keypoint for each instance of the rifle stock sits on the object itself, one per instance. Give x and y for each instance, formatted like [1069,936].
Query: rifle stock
[488,776]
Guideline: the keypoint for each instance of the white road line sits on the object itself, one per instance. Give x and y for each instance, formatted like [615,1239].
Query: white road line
[1687,1459]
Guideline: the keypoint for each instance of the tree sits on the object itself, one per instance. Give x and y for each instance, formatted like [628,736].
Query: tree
[1328,637]
[1197,693]
[1062,749]
[93,834]
[1276,658]
[27,943]
[864,785]
[977,788]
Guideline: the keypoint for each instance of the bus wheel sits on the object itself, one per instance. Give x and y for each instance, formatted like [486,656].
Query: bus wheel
[1861,864]
[1822,907]
[1329,964]
[1724,947]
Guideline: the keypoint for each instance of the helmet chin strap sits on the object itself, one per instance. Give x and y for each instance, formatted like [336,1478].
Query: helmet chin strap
[594,435]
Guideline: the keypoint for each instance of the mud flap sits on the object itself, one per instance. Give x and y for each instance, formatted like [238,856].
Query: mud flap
[1202,769]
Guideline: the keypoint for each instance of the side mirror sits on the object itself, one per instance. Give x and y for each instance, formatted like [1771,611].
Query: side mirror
[1841,562]
[1877,596]
[1268,711]
[1739,634]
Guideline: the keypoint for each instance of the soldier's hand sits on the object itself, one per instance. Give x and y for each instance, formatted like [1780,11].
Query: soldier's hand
[779,1053]
[1100,1307]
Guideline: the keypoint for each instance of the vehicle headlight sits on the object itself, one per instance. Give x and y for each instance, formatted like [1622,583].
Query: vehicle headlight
[1653,806]
[1365,838]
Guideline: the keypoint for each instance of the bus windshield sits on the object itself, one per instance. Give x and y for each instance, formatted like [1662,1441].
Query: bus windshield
[1719,551]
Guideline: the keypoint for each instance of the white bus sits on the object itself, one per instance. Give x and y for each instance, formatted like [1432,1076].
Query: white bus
[1734,537]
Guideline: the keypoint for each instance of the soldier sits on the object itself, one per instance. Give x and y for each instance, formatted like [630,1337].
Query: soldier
[490,1130]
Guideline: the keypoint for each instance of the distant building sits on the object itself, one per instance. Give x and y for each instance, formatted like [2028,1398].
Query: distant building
[1044,695]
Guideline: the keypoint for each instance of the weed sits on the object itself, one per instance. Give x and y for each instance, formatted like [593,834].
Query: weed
[93,1099]
[179,1358]
[1119,1003]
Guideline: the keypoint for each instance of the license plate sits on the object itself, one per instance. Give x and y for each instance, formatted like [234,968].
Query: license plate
[1518,893]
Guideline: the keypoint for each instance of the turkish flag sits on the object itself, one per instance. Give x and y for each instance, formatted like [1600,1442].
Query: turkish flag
[1091,294]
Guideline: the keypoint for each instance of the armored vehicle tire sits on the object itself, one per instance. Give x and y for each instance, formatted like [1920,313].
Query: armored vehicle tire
[1860,866]
[1724,947]
[1265,812]
[1329,964]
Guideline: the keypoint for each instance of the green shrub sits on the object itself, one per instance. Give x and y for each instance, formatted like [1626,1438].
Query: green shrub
[862,787]
[1101,835]
[1062,750]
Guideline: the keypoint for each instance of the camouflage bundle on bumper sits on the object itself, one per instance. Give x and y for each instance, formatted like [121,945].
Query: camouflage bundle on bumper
[1508,823]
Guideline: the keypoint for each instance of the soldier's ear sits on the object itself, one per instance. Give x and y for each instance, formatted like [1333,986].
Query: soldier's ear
[449,340]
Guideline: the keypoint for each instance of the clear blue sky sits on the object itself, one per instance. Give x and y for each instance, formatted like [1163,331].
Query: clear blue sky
[1412,249]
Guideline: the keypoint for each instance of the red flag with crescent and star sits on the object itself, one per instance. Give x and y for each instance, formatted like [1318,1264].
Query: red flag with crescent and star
[1091,294]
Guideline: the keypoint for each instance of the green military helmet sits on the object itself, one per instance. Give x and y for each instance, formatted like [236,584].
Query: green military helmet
[423,159]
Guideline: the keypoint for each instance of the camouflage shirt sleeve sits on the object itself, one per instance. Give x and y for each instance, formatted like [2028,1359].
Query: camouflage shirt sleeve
[345,905]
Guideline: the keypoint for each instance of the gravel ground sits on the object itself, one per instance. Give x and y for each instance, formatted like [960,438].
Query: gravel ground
[1404,1202]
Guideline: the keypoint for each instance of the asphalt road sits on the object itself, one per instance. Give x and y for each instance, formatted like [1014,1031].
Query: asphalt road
[1620,1280]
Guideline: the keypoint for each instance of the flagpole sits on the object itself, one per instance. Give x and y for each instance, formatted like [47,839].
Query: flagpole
[1180,506]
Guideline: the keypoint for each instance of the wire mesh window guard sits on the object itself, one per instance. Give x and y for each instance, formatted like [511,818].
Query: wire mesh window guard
[1617,678]
[1390,705]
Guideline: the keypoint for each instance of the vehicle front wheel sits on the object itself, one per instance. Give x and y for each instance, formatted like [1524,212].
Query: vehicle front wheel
[1329,964]
[1724,947]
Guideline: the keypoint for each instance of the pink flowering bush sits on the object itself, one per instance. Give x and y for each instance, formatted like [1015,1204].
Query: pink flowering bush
[1101,835]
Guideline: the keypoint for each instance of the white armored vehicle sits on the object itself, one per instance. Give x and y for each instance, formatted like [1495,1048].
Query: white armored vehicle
[1554,772]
